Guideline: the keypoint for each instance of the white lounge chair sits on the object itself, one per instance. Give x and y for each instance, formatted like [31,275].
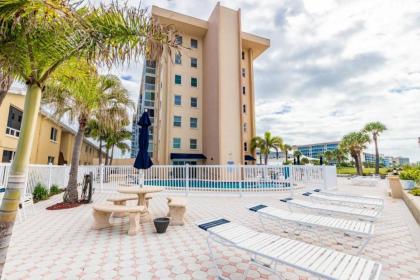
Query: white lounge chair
[268,251]
[347,200]
[342,194]
[363,231]
[324,209]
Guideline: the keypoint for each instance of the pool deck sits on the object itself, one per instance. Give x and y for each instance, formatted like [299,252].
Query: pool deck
[61,245]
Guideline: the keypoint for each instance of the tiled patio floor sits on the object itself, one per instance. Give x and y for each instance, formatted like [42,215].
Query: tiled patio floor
[61,245]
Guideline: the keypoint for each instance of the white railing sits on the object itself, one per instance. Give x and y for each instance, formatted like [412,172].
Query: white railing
[186,178]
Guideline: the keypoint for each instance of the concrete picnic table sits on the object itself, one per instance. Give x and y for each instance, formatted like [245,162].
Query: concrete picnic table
[141,193]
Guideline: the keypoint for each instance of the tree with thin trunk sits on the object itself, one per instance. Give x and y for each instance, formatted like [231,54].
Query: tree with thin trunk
[265,144]
[375,128]
[297,155]
[329,156]
[286,149]
[116,139]
[339,156]
[354,143]
[76,90]
[36,37]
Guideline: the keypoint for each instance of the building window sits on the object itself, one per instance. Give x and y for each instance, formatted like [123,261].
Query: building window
[178,79]
[176,143]
[193,122]
[243,55]
[7,156]
[194,82]
[243,90]
[178,40]
[244,108]
[178,58]
[53,134]
[177,121]
[245,146]
[14,121]
[194,102]
[245,127]
[194,43]
[193,62]
[193,144]
[243,72]
[50,160]
[178,100]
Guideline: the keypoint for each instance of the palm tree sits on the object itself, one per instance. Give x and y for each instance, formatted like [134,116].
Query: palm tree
[329,156]
[286,149]
[265,144]
[297,155]
[354,143]
[75,89]
[339,156]
[117,139]
[6,82]
[36,37]
[97,131]
[375,128]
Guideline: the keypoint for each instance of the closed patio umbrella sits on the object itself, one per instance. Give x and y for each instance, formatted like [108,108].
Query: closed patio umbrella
[143,160]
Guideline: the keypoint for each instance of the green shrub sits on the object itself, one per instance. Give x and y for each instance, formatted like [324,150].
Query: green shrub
[410,174]
[55,190]
[40,192]
[415,192]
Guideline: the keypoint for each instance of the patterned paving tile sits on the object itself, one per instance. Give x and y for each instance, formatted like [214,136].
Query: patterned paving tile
[61,245]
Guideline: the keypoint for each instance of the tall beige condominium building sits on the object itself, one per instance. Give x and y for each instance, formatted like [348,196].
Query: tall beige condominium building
[201,98]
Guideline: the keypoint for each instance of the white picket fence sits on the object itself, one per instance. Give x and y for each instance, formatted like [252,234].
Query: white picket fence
[186,178]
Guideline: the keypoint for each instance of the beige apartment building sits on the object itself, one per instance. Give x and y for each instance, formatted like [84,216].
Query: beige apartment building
[201,96]
[53,141]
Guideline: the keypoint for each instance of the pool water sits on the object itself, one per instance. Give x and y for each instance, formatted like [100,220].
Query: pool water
[181,183]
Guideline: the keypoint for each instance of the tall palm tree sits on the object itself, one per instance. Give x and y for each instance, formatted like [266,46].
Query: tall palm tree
[36,37]
[265,144]
[354,143]
[117,139]
[76,90]
[375,128]
[96,130]
[286,149]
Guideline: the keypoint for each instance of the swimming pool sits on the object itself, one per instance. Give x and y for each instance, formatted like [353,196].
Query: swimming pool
[205,184]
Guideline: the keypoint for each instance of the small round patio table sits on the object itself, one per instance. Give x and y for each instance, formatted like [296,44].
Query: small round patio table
[141,193]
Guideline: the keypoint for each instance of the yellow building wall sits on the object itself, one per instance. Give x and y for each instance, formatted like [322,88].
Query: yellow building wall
[42,146]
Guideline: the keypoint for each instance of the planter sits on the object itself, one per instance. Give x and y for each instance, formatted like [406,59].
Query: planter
[395,185]
[408,184]
[161,224]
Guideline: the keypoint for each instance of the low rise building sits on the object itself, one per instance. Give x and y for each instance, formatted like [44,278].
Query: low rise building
[53,141]
[316,150]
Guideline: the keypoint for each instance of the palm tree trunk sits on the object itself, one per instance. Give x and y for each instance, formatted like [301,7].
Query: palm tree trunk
[286,154]
[356,162]
[16,182]
[71,194]
[266,158]
[112,154]
[360,163]
[260,157]
[100,150]
[5,84]
[375,140]
[107,156]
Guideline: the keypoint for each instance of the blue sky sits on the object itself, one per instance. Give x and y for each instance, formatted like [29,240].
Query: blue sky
[333,66]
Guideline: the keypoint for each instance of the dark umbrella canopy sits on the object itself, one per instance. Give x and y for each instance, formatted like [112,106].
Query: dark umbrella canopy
[143,160]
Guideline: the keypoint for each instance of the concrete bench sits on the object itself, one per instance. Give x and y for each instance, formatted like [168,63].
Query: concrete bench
[122,200]
[177,207]
[102,212]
